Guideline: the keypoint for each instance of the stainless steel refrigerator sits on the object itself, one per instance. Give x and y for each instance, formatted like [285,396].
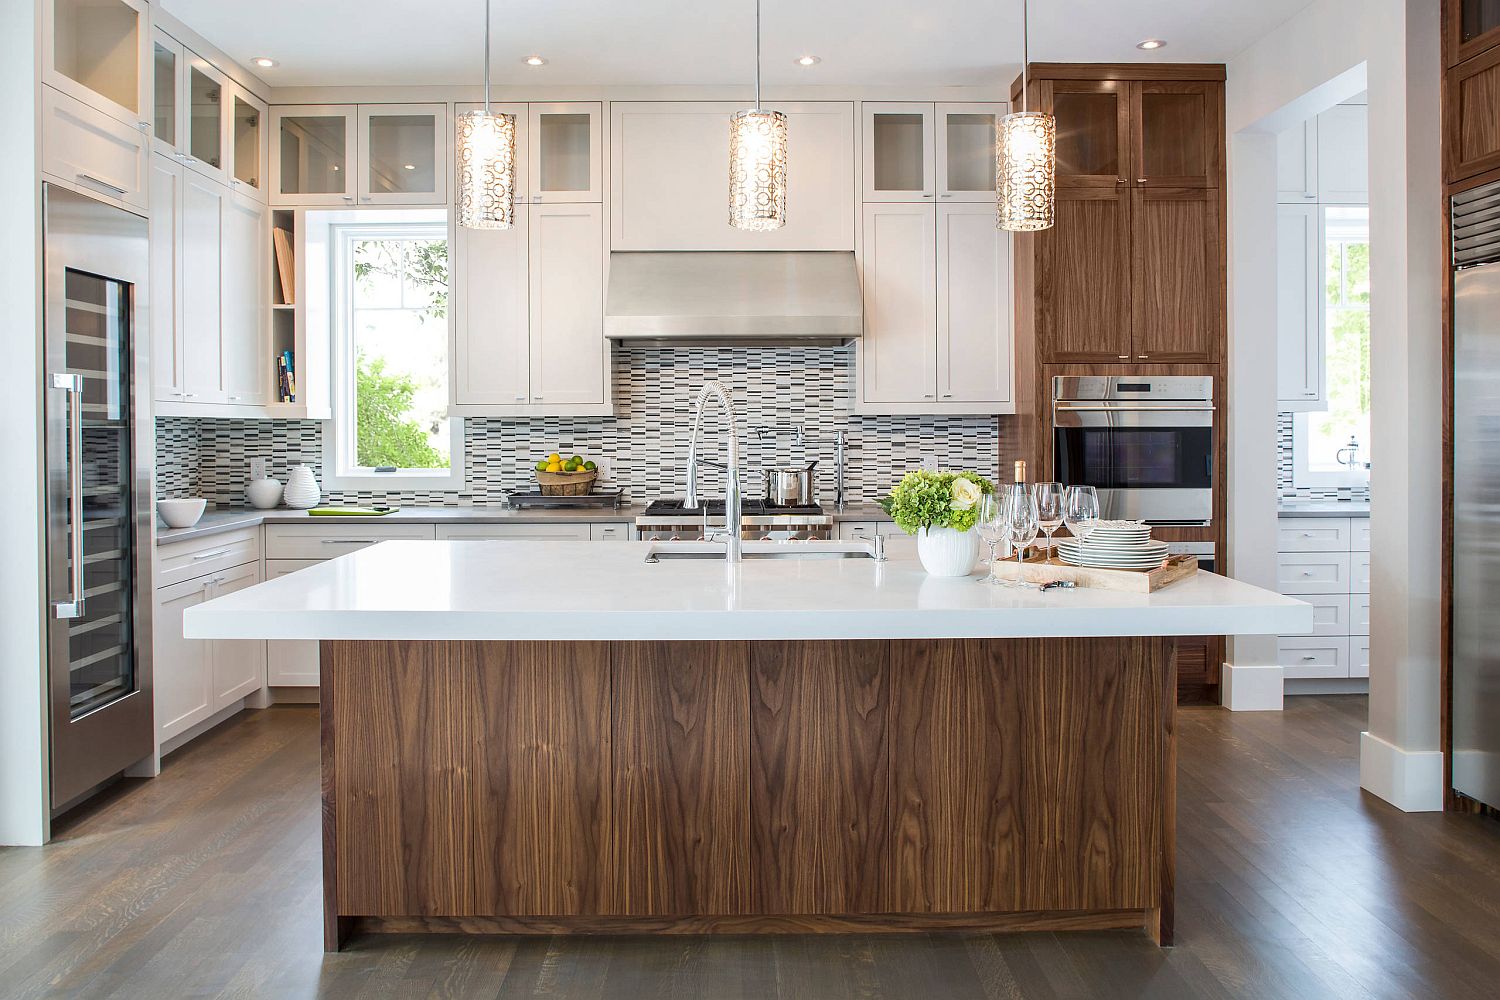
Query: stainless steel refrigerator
[99,446]
[1476,494]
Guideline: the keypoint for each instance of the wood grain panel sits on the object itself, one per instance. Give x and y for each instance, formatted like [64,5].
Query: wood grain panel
[1093,131]
[681,782]
[1083,283]
[820,776]
[1176,285]
[1473,116]
[471,777]
[1178,136]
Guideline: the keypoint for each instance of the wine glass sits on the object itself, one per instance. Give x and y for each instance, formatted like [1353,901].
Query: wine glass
[1049,507]
[1081,511]
[1021,519]
[993,530]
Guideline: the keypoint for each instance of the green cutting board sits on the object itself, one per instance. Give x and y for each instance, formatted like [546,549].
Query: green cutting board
[351,511]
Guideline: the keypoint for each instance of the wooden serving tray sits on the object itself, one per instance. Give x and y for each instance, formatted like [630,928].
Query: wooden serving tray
[1035,570]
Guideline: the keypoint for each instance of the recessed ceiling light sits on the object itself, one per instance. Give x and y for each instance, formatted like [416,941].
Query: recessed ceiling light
[809,60]
[534,61]
[408,166]
[1151,43]
[265,62]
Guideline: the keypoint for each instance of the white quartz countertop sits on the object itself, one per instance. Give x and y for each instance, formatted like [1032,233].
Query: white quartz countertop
[476,590]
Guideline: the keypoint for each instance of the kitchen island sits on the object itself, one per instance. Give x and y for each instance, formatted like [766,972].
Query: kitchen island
[525,737]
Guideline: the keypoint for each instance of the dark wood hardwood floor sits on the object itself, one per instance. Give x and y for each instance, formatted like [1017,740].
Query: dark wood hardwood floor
[1291,883]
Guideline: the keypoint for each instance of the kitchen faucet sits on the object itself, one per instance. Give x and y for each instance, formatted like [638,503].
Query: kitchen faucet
[733,526]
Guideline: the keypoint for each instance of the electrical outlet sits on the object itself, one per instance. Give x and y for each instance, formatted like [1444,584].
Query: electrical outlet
[929,464]
[260,468]
[603,464]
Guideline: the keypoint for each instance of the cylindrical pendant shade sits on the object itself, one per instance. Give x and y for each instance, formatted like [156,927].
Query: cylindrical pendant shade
[1025,166]
[757,170]
[486,171]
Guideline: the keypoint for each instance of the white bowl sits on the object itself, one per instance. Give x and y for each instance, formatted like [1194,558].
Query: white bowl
[181,513]
[264,494]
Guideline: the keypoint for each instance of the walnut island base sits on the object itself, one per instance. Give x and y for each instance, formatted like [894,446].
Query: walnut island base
[788,786]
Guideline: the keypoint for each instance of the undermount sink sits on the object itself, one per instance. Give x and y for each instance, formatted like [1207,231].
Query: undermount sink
[703,551]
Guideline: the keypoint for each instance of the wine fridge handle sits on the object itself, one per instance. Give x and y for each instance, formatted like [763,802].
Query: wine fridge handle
[73,385]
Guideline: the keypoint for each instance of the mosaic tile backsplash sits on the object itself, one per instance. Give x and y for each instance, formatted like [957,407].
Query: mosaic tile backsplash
[645,443]
[1284,459]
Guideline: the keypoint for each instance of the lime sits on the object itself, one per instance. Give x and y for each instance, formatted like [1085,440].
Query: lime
[541,466]
[576,460]
[590,467]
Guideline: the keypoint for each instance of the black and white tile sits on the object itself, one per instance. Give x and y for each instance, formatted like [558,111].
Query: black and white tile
[1286,487]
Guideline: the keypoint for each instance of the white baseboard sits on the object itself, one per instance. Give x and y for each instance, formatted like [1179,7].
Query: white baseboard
[1251,688]
[1327,685]
[1410,780]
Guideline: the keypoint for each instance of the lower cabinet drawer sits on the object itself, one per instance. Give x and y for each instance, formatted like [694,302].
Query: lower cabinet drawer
[1359,572]
[177,562]
[1359,656]
[1312,573]
[569,532]
[325,541]
[611,532]
[1313,656]
[1359,614]
[1331,615]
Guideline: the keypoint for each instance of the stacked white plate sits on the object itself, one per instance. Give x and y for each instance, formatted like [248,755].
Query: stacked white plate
[1114,545]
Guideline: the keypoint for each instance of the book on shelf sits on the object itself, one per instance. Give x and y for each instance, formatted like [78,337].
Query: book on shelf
[285,270]
[286,381]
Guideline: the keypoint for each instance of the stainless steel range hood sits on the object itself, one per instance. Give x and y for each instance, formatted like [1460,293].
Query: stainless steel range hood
[765,298]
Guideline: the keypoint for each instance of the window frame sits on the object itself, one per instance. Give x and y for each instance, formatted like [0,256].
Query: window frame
[344,229]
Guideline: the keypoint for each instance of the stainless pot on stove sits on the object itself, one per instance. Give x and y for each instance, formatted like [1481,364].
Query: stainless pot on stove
[790,485]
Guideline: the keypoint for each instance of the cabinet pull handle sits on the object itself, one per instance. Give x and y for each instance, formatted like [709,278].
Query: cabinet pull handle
[1140,357]
[1119,180]
[348,541]
[216,553]
[927,196]
[143,126]
[1124,357]
[1140,180]
[106,185]
[1309,657]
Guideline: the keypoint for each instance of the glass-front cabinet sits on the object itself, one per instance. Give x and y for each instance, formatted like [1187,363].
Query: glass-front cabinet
[206,117]
[167,110]
[312,149]
[403,154]
[99,52]
[566,152]
[1093,132]
[1473,27]
[965,156]
[925,152]
[247,146]
[1175,135]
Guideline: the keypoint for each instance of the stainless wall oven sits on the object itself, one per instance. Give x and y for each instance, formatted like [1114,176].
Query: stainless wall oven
[1145,442]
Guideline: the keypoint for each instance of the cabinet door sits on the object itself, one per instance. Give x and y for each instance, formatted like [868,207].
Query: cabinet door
[247,144]
[313,148]
[567,152]
[1093,131]
[207,119]
[1343,155]
[966,151]
[490,363]
[899,348]
[203,209]
[244,261]
[291,662]
[1297,163]
[87,149]
[1473,27]
[164,227]
[974,346]
[168,85]
[1299,308]
[1178,134]
[1177,279]
[899,152]
[1083,277]
[97,52]
[568,350]
[403,154]
[238,665]
[182,682]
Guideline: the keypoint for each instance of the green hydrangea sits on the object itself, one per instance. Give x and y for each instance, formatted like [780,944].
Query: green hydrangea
[927,500]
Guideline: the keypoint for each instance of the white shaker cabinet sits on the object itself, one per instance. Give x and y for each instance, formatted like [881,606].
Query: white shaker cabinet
[1325,561]
[313,154]
[244,294]
[899,347]
[290,662]
[165,238]
[403,154]
[1343,155]
[898,151]
[974,338]
[182,684]
[1299,308]
[238,665]
[98,52]
[89,151]
[202,212]
[567,152]
[1297,163]
[568,349]
[333,155]
[492,319]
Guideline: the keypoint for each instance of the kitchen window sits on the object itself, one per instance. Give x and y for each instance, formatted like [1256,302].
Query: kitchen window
[389,298]
[1332,447]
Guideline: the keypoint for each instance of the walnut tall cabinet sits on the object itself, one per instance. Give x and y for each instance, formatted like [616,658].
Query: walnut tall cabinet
[1132,277]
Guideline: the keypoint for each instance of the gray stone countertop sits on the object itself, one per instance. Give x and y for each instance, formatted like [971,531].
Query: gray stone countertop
[216,521]
[1323,508]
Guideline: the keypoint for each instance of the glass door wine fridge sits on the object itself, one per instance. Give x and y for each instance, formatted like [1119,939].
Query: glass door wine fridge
[99,447]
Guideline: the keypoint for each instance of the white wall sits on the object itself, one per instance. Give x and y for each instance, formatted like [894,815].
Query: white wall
[23,770]
[1327,53]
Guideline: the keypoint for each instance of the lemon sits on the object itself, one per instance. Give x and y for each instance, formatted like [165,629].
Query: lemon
[554,467]
[554,459]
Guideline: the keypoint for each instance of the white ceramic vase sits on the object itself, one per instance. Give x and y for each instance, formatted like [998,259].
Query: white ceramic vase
[301,488]
[947,551]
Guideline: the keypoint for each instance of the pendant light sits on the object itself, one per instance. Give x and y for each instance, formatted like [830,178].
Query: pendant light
[757,161]
[1026,159]
[486,160]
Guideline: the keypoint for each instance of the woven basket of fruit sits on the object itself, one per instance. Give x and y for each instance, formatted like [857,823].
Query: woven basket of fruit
[566,477]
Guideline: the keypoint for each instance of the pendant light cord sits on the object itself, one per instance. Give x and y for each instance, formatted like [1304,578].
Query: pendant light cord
[487,57]
[1025,48]
[757,54]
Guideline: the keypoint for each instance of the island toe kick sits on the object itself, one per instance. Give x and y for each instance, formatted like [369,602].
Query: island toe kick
[748,786]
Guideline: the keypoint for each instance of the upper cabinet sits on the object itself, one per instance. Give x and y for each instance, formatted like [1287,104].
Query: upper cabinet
[1473,26]
[920,152]
[1325,159]
[567,152]
[99,52]
[205,120]
[347,154]
[1177,134]
[1093,130]
[669,177]
[248,144]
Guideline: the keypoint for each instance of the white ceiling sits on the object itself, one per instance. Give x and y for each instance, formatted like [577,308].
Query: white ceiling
[708,42]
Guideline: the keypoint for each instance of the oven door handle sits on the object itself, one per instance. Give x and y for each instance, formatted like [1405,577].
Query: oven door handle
[1131,405]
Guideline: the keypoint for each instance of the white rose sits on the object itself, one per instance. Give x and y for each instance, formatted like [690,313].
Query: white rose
[966,493]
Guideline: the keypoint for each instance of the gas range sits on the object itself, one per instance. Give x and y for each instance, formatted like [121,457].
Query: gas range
[668,519]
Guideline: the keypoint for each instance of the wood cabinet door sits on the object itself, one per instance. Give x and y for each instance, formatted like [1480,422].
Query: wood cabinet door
[568,350]
[1473,26]
[975,343]
[1177,278]
[1083,274]
[899,350]
[491,288]
[1093,131]
[1473,109]
[1177,134]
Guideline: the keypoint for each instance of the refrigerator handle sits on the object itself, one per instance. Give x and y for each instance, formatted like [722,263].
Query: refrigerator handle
[73,385]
